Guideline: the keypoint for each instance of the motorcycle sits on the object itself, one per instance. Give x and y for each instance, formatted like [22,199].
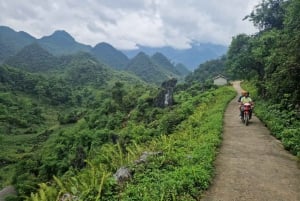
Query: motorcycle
[246,110]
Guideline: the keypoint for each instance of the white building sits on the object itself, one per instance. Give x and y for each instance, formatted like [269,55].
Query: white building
[220,80]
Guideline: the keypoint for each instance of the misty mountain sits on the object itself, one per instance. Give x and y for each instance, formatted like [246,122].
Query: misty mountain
[182,69]
[84,67]
[142,66]
[191,58]
[162,61]
[33,58]
[11,42]
[109,55]
[62,43]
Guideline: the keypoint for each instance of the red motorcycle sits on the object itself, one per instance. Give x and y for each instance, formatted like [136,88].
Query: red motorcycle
[246,110]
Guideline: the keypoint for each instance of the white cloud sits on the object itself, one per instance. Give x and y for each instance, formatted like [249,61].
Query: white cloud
[126,23]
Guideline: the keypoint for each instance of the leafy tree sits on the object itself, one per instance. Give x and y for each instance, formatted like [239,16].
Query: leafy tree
[292,38]
[240,62]
[118,92]
[269,14]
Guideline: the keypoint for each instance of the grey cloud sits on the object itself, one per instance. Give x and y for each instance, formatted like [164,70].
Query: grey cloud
[125,23]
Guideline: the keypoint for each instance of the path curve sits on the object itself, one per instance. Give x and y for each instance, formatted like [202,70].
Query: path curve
[252,165]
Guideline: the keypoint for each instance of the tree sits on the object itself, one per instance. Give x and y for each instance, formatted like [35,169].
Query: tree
[268,15]
[239,59]
[118,92]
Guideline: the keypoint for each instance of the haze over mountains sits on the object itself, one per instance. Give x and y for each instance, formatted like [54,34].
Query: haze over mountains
[61,54]
[62,43]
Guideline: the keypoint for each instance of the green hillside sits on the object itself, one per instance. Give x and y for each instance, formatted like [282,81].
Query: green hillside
[72,128]
[143,67]
[11,42]
[62,43]
[110,56]
[78,116]
[33,58]
[164,63]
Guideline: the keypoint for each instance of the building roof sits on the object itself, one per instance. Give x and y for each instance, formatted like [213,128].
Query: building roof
[220,76]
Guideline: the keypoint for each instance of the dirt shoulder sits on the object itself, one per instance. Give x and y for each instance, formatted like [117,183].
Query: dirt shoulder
[252,165]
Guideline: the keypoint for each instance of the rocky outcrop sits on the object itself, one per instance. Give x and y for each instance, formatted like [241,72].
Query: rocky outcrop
[124,173]
[165,97]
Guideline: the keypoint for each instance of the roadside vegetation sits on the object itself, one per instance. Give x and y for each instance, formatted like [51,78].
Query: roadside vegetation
[282,121]
[182,169]
[67,132]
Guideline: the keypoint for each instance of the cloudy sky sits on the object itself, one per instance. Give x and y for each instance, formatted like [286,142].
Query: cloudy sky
[126,23]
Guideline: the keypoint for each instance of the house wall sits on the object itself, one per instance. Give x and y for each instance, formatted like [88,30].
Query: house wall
[220,81]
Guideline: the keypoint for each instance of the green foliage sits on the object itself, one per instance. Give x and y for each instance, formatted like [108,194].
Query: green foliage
[65,133]
[109,55]
[269,14]
[281,120]
[70,117]
[12,41]
[33,58]
[19,113]
[53,89]
[272,59]
[118,92]
[184,169]
[272,55]
[142,66]
[241,63]
[283,124]
[82,69]
[165,65]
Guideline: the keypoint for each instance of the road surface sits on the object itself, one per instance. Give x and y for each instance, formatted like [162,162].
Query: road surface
[252,165]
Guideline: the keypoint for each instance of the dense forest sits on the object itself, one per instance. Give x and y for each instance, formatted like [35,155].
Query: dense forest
[74,128]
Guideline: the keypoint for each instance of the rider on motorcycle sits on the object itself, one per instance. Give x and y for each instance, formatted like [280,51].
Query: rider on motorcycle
[241,96]
[245,99]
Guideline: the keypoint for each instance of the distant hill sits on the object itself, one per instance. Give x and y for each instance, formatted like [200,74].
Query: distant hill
[182,69]
[62,43]
[107,54]
[60,51]
[179,71]
[142,66]
[191,58]
[33,58]
[162,61]
[83,68]
[11,42]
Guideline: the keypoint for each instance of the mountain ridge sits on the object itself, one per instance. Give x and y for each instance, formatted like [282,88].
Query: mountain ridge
[191,58]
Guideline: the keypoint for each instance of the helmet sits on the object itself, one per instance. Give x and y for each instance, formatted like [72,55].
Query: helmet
[244,92]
